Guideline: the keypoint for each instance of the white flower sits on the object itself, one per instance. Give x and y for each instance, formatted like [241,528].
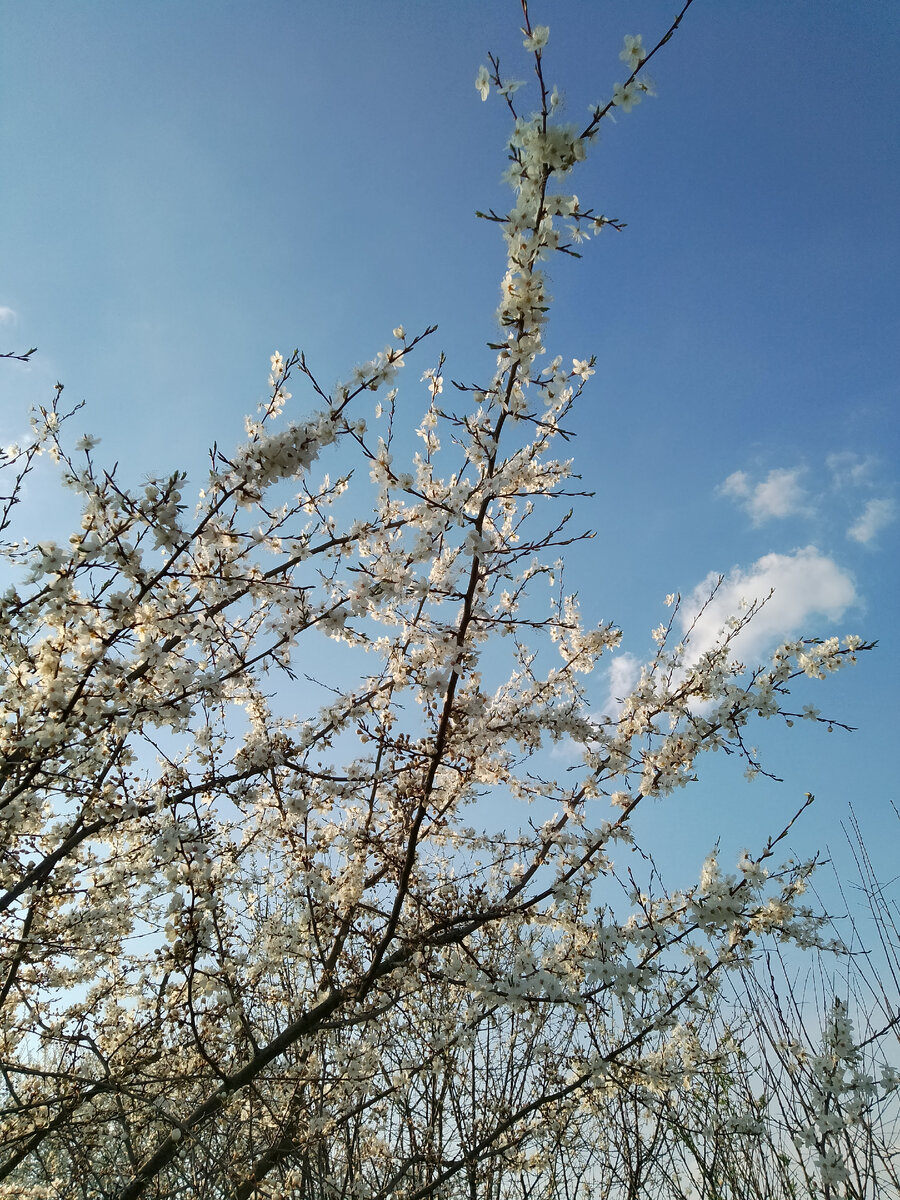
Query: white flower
[400,333]
[582,368]
[540,35]
[435,381]
[483,82]
[88,442]
[626,96]
[633,53]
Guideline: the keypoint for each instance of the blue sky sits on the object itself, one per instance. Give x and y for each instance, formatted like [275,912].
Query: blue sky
[188,186]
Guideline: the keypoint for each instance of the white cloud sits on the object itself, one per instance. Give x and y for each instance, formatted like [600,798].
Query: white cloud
[807,585]
[780,494]
[622,674]
[737,484]
[7,315]
[849,469]
[875,516]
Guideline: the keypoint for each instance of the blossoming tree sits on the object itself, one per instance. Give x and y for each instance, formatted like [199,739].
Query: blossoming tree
[245,953]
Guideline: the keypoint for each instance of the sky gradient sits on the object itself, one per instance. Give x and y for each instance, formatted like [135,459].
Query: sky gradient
[188,187]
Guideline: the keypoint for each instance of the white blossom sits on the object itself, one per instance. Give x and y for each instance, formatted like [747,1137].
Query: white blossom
[633,53]
[538,38]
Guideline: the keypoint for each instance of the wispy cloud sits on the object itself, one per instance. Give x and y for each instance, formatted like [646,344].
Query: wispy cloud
[849,469]
[806,585]
[780,494]
[7,315]
[875,516]
[622,675]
